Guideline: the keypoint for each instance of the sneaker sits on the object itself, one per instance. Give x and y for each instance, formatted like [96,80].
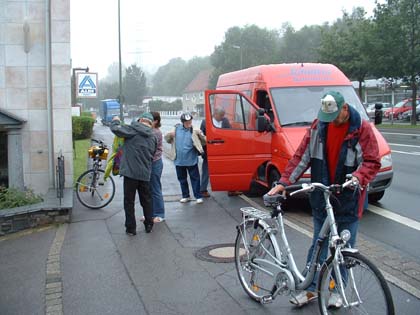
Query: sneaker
[158,219]
[205,194]
[335,300]
[148,227]
[199,200]
[130,232]
[184,200]
[303,298]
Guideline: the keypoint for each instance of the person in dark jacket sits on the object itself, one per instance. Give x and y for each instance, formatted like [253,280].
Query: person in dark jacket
[136,167]
[339,142]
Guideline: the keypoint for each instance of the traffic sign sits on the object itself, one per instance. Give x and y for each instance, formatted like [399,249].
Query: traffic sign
[87,85]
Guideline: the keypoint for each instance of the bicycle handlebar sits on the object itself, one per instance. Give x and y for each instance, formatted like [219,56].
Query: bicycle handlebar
[101,143]
[274,200]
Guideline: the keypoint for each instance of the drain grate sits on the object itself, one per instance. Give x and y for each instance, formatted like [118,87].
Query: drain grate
[218,253]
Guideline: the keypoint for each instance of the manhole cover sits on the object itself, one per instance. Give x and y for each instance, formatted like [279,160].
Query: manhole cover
[218,253]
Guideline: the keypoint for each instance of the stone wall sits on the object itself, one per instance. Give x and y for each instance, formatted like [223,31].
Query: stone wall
[23,84]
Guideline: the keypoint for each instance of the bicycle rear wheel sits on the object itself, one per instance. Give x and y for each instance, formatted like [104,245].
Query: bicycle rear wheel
[93,191]
[366,290]
[254,277]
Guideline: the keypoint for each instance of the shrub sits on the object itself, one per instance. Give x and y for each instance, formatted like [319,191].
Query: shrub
[12,197]
[82,127]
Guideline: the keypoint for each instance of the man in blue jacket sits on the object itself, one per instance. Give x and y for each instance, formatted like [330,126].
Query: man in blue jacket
[136,167]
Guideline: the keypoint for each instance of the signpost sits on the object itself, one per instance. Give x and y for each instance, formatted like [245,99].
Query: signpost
[87,85]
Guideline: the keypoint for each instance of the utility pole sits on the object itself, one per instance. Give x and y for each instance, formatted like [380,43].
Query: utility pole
[120,98]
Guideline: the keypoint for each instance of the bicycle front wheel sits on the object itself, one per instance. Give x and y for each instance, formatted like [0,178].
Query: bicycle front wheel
[365,289]
[93,191]
[255,277]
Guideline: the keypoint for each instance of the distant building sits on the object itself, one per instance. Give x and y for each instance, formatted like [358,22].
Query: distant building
[35,106]
[383,90]
[193,96]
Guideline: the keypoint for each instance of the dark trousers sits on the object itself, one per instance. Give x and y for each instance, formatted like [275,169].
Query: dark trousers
[145,196]
[181,173]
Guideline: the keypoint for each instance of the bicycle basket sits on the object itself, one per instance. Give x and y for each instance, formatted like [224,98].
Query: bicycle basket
[94,150]
[104,154]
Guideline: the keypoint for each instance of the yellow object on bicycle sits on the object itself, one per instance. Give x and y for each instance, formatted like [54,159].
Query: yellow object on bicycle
[94,150]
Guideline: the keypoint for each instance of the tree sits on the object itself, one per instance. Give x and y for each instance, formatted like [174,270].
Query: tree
[397,43]
[347,44]
[172,78]
[242,48]
[134,85]
[300,46]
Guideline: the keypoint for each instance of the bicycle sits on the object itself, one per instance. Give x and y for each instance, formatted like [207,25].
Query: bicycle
[92,190]
[266,269]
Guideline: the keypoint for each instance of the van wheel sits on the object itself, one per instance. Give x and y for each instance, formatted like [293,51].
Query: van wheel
[273,177]
[375,197]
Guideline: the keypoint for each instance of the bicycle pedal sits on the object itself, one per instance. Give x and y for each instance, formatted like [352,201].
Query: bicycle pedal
[266,299]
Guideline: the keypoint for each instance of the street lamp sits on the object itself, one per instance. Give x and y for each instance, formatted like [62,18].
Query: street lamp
[119,63]
[240,51]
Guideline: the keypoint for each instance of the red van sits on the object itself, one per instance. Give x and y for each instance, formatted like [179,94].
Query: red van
[269,108]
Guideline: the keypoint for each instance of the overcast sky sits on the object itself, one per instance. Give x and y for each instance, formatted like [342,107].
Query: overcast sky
[153,32]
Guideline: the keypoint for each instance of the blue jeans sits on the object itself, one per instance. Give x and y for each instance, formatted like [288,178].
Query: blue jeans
[156,187]
[204,175]
[181,173]
[352,227]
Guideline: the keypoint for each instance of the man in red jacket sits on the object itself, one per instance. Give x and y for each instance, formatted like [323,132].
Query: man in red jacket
[339,142]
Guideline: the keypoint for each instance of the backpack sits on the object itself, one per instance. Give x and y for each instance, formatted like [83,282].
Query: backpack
[117,149]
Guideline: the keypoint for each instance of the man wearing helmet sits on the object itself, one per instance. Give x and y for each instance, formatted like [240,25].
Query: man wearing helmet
[186,145]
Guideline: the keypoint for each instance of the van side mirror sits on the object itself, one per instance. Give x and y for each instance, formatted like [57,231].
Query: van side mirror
[262,122]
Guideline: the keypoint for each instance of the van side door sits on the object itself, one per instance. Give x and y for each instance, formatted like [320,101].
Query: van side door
[234,153]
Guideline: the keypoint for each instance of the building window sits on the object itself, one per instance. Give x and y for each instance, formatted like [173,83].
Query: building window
[4,172]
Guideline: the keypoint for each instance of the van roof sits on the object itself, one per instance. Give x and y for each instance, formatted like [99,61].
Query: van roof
[286,75]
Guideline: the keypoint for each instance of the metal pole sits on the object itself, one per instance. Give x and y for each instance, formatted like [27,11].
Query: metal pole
[119,64]
[240,49]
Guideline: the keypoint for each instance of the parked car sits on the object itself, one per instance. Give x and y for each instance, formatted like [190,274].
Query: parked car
[407,114]
[397,111]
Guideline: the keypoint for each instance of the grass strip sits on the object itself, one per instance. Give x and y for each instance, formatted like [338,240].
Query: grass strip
[80,156]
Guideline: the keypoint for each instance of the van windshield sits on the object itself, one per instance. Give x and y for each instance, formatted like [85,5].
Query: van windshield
[297,106]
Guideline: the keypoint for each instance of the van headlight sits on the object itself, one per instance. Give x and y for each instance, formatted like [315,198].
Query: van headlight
[386,161]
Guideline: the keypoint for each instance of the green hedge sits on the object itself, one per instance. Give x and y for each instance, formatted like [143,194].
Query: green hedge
[82,127]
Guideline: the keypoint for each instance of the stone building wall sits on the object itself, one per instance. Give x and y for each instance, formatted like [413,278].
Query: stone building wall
[23,84]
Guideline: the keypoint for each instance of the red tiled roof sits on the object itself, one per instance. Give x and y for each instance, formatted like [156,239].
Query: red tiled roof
[199,83]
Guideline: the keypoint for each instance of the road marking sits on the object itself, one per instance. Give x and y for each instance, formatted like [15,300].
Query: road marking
[401,134]
[403,152]
[405,145]
[395,217]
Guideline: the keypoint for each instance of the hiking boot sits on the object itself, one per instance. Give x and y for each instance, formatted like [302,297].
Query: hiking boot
[303,298]
[148,227]
[335,300]
[199,200]
[184,200]
[205,194]
[130,232]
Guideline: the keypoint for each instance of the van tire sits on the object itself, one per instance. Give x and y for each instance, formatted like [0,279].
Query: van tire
[375,197]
